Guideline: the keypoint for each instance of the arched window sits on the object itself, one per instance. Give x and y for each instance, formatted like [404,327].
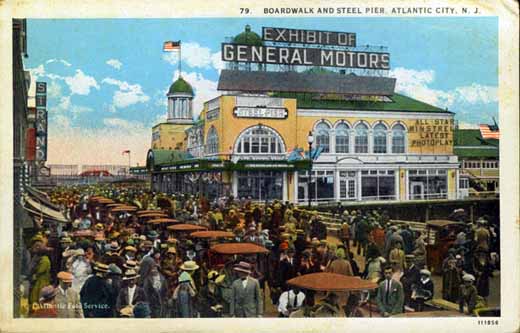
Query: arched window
[342,138]
[323,137]
[380,139]
[259,140]
[398,139]
[361,138]
[212,142]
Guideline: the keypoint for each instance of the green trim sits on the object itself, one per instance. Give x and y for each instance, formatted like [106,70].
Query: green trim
[469,153]
[204,165]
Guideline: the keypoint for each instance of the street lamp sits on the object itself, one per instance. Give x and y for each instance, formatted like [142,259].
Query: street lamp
[310,140]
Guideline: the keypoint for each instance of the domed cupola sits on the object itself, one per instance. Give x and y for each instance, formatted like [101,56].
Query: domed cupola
[248,37]
[180,102]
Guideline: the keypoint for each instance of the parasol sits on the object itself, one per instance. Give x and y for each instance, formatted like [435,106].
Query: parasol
[162,220]
[149,211]
[212,234]
[185,227]
[238,248]
[124,209]
[153,215]
[331,282]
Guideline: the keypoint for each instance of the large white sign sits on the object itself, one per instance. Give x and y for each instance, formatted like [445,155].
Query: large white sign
[260,112]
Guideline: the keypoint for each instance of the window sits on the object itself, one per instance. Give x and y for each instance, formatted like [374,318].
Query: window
[428,184]
[361,139]
[259,140]
[342,138]
[398,139]
[212,143]
[378,185]
[380,139]
[323,137]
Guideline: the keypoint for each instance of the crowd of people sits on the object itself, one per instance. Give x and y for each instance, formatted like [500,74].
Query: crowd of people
[111,263]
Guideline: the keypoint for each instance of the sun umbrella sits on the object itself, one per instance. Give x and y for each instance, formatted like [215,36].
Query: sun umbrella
[331,282]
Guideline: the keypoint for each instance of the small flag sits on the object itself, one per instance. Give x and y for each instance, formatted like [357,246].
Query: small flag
[489,132]
[171,46]
[125,152]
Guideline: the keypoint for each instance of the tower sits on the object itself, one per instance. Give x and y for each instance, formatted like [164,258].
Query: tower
[180,102]
[170,135]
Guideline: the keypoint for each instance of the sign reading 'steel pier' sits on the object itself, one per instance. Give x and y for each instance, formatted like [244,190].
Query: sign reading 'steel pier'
[307,56]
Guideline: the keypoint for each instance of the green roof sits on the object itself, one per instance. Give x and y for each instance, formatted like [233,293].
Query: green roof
[476,153]
[398,103]
[468,143]
[157,157]
[471,137]
[248,37]
[181,86]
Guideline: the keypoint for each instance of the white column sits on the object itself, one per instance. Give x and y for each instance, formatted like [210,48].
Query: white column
[358,187]
[336,186]
[284,187]
[406,185]
[370,141]
[397,178]
[295,198]
[234,183]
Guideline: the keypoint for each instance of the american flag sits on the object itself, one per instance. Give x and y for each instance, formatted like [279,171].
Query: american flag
[489,132]
[171,46]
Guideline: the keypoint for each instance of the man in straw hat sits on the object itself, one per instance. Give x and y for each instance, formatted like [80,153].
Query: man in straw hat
[96,294]
[130,294]
[247,299]
[67,299]
[156,291]
[45,307]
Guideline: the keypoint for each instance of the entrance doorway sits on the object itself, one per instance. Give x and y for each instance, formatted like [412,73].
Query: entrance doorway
[417,190]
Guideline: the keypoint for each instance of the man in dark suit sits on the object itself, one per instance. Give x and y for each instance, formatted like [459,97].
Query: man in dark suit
[96,294]
[131,293]
[287,268]
[390,295]
[246,300]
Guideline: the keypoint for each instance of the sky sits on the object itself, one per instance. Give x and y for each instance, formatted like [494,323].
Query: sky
[107,78]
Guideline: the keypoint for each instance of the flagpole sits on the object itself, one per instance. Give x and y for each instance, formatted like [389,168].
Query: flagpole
[180,59]
[129,162]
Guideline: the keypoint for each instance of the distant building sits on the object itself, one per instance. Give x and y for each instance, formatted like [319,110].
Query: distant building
[479,161]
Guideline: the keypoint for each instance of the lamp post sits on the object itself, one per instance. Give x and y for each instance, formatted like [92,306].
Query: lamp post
[310,140]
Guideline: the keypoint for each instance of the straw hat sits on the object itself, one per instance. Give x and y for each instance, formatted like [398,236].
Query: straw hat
[130,275]
[468,277]
[47,293]
[130,248]
[127,311]
[100,267]
[425,272]
[171,250]
[131,264]
[243,267]
[189,266]
[65,276]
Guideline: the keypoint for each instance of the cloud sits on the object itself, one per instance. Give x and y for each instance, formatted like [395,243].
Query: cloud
[195,56]
[128,94]
[53,89]
[114,63]
[417,84]
[81,83]
[64,62]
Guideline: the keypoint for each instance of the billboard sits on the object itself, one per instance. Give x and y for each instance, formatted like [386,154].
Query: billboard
[301,36]
[305,56]
[41,121]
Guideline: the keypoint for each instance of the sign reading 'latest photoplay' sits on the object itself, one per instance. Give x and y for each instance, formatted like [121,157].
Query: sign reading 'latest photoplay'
[306,56]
